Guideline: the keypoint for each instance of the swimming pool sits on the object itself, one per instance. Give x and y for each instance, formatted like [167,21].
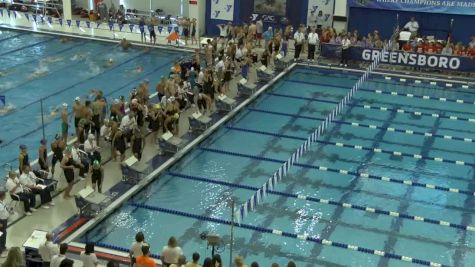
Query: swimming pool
[64,70]
[394,173]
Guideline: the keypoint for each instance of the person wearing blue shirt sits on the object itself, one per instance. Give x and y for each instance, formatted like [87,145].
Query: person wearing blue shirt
[268,35]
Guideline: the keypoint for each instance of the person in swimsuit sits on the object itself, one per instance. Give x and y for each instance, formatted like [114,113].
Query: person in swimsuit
[119,144]
[97,175]
[138,143]
[57,147]
[153,36]
[43,155]
[23,159]
[77,113]
[68,164]
[64,122]
[193,32]
[97,109]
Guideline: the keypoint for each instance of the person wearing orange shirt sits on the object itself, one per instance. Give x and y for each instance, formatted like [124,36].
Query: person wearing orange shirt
[145,260]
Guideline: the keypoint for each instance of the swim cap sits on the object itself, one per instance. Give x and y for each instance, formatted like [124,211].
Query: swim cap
[157,106]
[43,141]
[134,101]
[146,81]
[116,101]
[65,105]
[22,146]
[96,163]
[176,116]
[69,149]
[78,98]
[91,136]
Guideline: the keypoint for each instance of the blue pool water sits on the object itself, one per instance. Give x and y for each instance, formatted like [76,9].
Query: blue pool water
[71,69]
[247,151]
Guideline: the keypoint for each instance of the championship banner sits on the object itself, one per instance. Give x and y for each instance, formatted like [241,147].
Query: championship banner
[88,24]
[462,7]
[435,61]
[320,12]
[68,21]
[78,23]
[222,9]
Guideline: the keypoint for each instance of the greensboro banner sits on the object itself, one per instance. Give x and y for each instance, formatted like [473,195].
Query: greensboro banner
[466,64]
[463,7]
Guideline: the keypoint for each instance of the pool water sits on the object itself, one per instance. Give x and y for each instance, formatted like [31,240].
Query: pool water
[64,70]
[246,152]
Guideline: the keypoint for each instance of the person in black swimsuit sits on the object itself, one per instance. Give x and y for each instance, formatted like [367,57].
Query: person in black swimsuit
[119,144]
[68,164]
[153,36]
[138,143]
[23,158]
[43,155]
[57,147]
[97,175]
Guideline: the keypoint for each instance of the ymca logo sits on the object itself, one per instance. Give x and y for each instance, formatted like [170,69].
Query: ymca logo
[228,8]
[314,8]
[268,18]
[327,2]
[254,16]
[216,2]
[327,16]
[216,13]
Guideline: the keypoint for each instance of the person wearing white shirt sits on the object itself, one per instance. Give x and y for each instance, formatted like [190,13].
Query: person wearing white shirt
[171,252]
[91,148]
[88,258]
[106,130]
[412,26]
[238,56]
[299,37]
[4,214]
[136,248]
[223,30]
[345,50]
[29,180]
[17,191]
[312,44]
[57,259]
[48,250]
[127,122]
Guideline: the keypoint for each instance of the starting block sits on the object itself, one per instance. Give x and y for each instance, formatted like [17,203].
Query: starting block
[170,143]
[133,170]
[199,121]
[89,202]
[246,88]
[264,73]
[226,103]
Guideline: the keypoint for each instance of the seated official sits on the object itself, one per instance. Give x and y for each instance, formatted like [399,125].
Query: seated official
[19,193]
[29,180]
[412,26]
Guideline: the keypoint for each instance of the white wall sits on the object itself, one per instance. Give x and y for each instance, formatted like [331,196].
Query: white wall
[171,7]
[341,10]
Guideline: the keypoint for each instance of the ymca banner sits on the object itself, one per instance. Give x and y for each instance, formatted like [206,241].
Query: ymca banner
[320,12]
[463,7]
[453,63]
[222,9]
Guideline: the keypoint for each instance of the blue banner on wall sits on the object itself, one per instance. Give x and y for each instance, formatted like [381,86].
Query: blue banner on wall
[466,64]
[463,7]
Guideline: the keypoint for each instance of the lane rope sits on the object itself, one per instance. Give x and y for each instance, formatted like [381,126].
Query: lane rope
[330,202]
[277,232]
[381,108]
[392,93]
[371,126]
[359,175]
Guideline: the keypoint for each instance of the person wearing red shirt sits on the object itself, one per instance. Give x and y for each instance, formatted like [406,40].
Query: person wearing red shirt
[439,47]
[407,47]
[459,50]
[420,47]
[430,48]
[471,52]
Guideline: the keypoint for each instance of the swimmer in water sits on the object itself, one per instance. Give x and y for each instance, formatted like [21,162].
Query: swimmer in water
[40,72]
[77,57]
[52,60]
[124,44]
[109,63]
[6,72]
[135,71]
